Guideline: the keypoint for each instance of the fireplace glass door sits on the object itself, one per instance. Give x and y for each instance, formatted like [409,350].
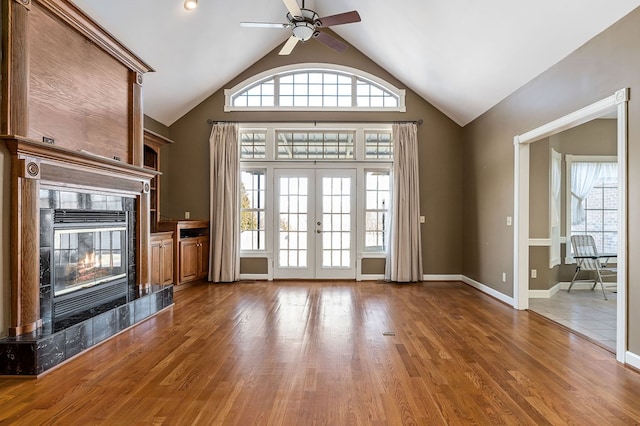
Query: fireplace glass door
[85,257]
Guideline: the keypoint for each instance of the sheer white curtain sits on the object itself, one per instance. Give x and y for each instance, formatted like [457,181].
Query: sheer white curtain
[404,255]
[584,176]
[224,251]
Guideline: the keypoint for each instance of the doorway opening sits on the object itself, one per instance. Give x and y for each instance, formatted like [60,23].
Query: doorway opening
[617,104]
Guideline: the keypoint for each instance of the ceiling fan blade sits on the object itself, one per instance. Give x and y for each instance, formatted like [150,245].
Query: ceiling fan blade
[288,46]
[293,8]
[330,41]
[339,19]
[263,25]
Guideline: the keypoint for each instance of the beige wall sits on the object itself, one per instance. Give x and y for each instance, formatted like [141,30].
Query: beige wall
[439,151]
[155,126]
[605,64]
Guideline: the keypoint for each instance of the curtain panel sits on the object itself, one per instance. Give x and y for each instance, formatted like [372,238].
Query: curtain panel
[224,207]
[404,255]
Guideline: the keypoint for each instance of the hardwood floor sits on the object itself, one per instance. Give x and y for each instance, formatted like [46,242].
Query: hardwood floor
[300,353]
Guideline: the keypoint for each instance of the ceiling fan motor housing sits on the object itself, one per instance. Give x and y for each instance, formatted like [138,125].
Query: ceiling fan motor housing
[304,26]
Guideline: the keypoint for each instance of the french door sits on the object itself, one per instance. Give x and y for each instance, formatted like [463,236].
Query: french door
[315,223]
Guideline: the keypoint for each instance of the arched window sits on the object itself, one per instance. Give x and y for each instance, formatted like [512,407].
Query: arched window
[314,87]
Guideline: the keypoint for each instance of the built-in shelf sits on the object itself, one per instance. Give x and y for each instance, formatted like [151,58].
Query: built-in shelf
[151,160]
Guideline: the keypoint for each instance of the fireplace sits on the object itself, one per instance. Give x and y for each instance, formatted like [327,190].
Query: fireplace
[89,264]
[87,254]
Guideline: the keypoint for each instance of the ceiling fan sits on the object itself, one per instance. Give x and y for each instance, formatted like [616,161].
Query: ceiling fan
[305,24]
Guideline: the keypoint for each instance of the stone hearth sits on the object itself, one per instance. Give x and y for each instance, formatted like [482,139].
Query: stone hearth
[34,353]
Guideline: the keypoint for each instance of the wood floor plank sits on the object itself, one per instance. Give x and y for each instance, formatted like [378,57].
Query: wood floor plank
[337,353]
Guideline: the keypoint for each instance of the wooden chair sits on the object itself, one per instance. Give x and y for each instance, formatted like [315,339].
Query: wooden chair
[587,259]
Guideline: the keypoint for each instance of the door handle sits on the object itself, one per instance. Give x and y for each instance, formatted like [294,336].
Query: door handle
[319,231]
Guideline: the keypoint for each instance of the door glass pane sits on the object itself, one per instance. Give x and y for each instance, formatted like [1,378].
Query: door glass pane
[336,206]
[293,222]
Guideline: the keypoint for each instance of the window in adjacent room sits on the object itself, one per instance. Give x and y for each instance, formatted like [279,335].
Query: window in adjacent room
[593,197]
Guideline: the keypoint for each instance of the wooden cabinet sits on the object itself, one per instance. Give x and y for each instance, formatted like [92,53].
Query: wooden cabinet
[161,248]
[151,160]
[194,258]
[191,248]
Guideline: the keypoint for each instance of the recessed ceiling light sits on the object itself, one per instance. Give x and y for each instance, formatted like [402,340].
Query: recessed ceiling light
[190,4]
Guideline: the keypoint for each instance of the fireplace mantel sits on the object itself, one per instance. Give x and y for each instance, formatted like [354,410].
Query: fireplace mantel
[55,163]
[37,163]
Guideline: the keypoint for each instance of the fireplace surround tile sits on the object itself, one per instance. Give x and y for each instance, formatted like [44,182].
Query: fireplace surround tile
[142,308]
[50,351]
[46,310]
[126,316]
[78,338]
[105,325]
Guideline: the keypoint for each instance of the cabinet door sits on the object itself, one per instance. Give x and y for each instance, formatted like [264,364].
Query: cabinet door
[189,259]
[155,247]
[166,274]
[203,264]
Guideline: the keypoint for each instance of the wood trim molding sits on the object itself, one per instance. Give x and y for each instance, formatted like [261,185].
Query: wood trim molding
[25,243]
[15,67]
[73,16]
[47,153]
[25,3]
[155,139]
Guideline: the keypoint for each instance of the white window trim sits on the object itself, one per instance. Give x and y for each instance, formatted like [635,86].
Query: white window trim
[555,253]
[568,260]
[230,93]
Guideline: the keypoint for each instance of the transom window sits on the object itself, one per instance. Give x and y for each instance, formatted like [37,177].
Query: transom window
[314,87]
[315,145]
[252,145]
[378,145]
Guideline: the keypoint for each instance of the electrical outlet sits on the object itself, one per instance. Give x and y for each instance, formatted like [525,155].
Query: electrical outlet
[504,277]
[187,215]
[422,219]
[534,273]
[509,220]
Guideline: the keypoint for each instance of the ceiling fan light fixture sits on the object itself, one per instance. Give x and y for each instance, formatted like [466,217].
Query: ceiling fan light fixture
[190,4]
[303,30]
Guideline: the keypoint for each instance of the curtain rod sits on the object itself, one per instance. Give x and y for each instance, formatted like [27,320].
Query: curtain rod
[418,122]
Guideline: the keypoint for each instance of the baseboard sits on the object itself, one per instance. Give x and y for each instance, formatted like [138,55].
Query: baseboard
[370,277]
[578,285]
[488,290]
[254,277]
[432,277]
[546,294]
[632,359]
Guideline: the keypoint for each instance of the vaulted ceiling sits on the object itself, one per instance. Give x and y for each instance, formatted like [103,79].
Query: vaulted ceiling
[462,56]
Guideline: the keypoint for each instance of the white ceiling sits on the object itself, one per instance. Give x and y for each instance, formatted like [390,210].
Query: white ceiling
[462,56]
